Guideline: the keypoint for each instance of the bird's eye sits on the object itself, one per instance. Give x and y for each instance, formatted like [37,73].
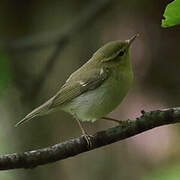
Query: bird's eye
[121,53]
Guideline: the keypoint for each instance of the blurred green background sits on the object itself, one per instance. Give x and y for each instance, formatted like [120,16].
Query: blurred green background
[152,155]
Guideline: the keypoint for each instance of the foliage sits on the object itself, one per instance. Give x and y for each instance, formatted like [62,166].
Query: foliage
[171,14]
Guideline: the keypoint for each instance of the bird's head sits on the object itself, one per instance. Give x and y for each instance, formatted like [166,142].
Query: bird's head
[114,53]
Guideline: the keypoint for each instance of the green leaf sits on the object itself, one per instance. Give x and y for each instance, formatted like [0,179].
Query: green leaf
[5,74]
[171,14]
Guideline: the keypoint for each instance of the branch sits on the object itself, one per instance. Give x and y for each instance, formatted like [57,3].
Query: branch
[73,147]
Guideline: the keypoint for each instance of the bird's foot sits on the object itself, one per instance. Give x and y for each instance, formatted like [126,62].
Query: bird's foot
[88,139]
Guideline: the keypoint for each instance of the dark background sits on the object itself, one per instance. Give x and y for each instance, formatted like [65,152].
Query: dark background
[155,56]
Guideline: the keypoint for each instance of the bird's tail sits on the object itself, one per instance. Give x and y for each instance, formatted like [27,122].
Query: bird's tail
[25,119]
[43,109]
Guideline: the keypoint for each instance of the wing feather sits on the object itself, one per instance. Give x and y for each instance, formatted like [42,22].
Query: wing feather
[74,88]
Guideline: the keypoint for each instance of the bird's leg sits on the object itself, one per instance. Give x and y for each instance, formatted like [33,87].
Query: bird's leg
[111,119]
[86,136]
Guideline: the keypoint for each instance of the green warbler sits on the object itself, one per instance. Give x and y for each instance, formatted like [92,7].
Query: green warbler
[96,88]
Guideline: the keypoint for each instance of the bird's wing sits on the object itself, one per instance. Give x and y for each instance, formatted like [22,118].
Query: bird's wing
[71,89]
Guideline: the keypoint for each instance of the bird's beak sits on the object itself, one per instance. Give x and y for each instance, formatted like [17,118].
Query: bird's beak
[129,41]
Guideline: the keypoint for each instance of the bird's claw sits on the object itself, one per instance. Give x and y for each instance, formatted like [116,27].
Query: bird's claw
[88,138]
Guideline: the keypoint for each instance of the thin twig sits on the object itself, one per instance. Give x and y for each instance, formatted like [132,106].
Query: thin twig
[73,147]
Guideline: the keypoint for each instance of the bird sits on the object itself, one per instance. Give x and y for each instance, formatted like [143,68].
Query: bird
[95,89]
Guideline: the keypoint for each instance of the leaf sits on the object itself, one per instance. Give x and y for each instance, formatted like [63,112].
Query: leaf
[4,71]
[171,14]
